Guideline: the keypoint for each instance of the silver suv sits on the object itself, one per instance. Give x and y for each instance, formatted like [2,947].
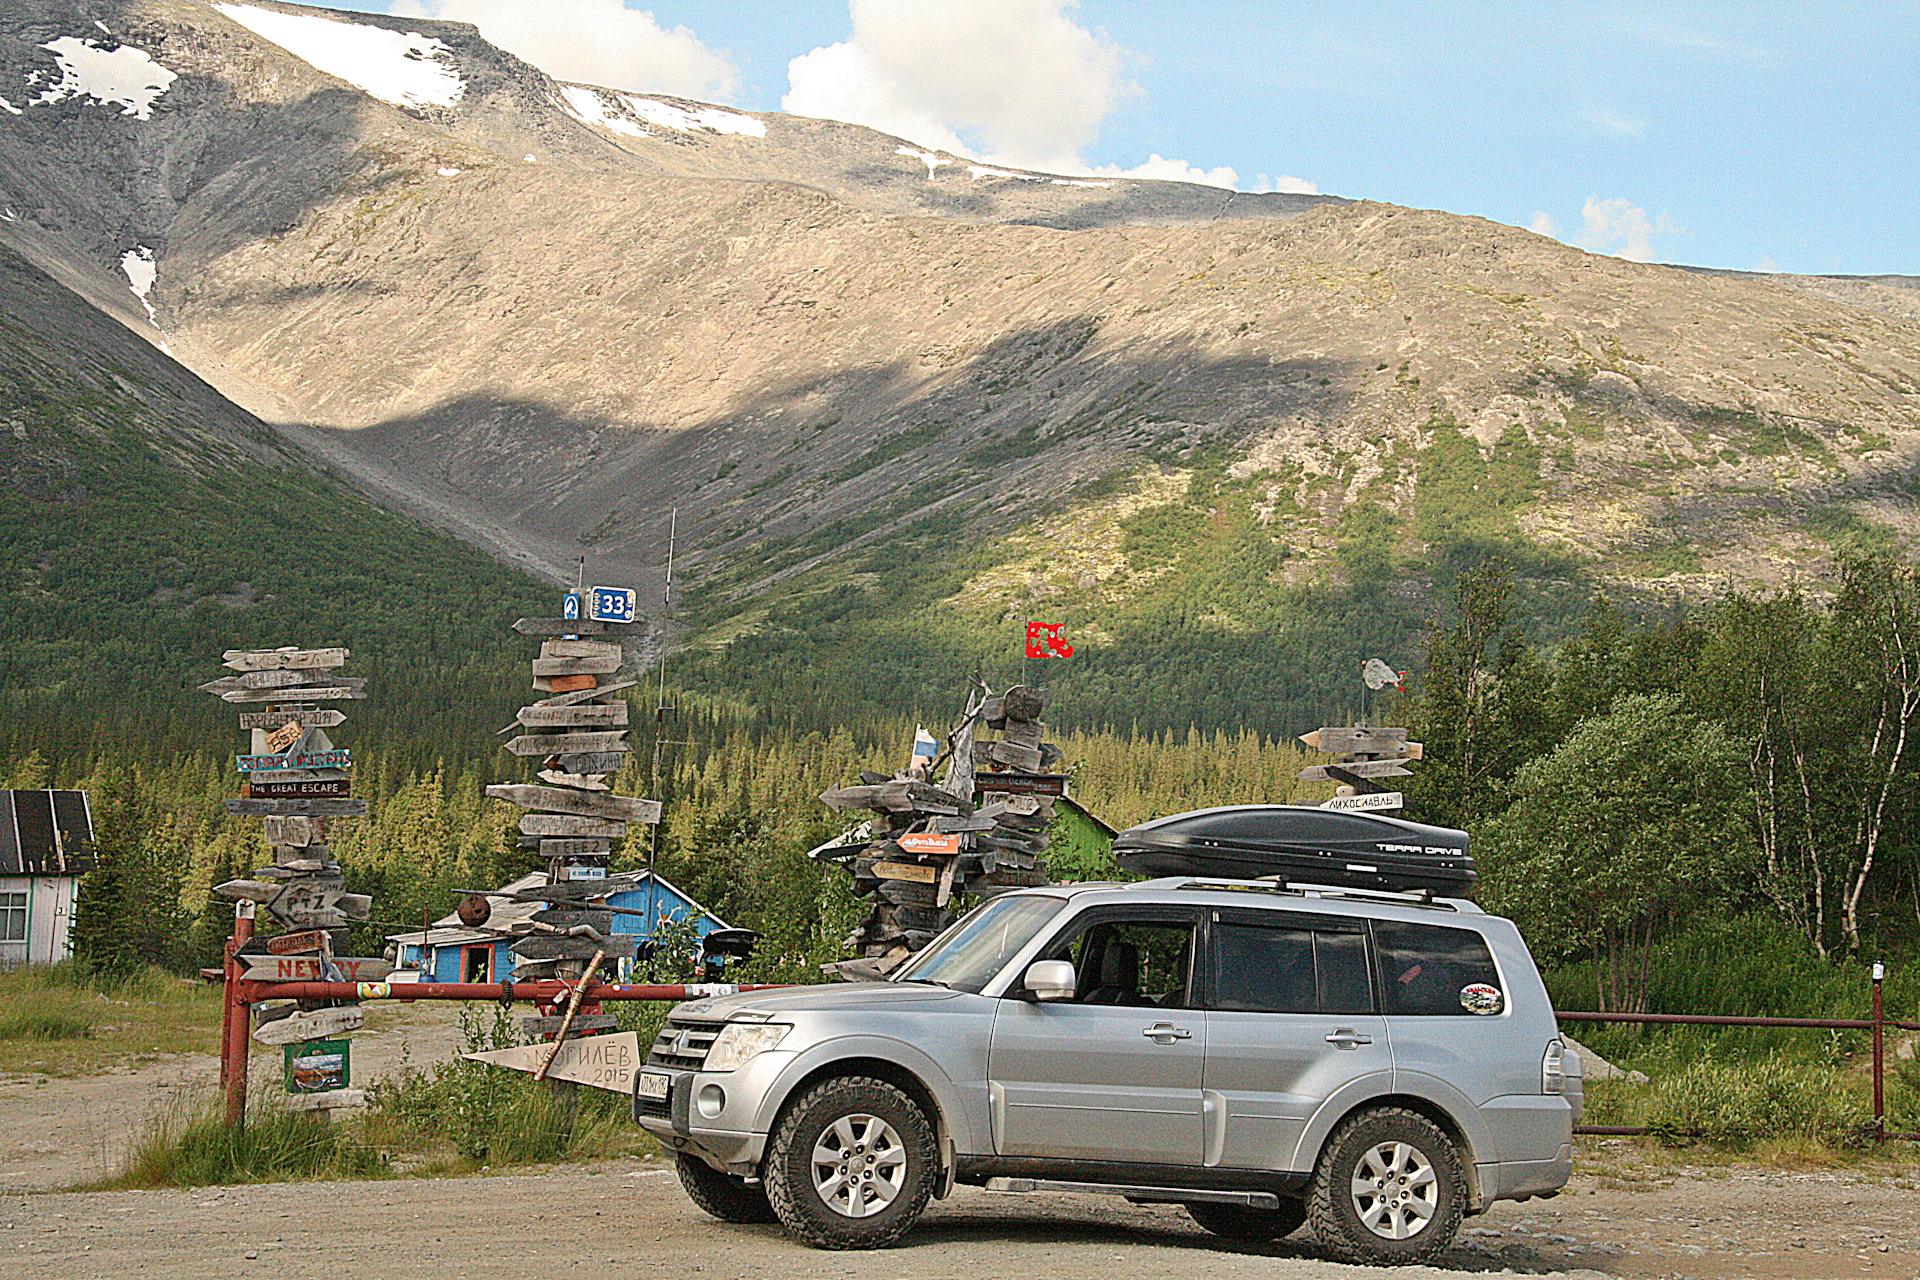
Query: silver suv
[1378,1064]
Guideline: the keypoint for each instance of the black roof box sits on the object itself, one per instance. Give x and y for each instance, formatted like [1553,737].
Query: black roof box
[1302,844]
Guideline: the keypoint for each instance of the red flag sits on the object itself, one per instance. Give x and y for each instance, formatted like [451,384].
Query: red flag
[1044,641]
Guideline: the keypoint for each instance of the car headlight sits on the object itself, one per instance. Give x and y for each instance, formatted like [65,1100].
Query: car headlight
[740,1043]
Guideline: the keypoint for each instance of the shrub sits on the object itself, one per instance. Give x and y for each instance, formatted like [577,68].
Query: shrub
[192,1145]
[1738,1103]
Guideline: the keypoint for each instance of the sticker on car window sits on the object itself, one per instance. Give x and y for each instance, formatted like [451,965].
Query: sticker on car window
[1482,998]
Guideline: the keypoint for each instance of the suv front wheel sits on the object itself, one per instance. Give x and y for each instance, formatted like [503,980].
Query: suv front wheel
[724,1196]
[851,1165]
[1389,1189]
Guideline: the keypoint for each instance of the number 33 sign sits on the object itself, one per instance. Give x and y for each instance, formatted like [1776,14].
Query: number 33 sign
[1044,641]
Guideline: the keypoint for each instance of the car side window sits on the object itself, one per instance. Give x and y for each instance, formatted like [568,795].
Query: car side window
[1289,967]
[1130,962]
[1431,970]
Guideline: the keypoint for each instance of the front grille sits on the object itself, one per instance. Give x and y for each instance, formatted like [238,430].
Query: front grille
[659,1109]
[683,1044]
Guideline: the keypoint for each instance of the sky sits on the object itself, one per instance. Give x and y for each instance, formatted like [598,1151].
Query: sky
[1759,137]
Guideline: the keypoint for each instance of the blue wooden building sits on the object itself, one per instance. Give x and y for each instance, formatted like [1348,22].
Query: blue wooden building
[456,953]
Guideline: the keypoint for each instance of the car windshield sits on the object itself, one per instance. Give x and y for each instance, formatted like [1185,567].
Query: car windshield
[966,957]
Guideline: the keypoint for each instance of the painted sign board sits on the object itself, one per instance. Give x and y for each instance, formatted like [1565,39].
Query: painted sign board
[329,788]
[319,1066]
[305,717]
[605,1062]
[1365,804]
[1022,784]
[312,969]
[611,604]
[337,758]
[922,843]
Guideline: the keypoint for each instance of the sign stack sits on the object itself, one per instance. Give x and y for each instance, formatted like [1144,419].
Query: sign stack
[983,831]
[297,782]
[578,735]
[1367,754]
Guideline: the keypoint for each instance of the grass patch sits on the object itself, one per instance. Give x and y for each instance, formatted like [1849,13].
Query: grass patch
[58,1020]
[194,1146]
[1736,1105]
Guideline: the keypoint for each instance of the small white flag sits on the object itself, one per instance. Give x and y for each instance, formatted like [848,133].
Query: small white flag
[925,748]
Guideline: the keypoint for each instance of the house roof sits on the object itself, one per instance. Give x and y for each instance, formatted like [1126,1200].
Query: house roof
[448,930]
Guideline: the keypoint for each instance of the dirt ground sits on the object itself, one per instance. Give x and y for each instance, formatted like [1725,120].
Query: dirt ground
[1623,1215]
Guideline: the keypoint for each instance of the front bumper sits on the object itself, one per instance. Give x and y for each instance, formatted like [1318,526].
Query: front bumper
[713,1114]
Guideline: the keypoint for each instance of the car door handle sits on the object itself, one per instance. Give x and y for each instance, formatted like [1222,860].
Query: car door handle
[1347,1039]
[1166,1033]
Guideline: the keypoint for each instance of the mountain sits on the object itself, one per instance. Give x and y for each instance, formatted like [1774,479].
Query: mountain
[931,393]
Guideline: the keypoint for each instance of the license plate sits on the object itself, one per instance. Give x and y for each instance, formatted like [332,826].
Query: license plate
[654,1085]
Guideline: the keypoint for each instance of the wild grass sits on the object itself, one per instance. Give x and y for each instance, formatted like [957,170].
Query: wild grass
[61,1020]
[191,1145]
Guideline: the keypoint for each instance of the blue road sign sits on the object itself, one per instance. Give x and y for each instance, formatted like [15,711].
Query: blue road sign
[570,607]
[612,604]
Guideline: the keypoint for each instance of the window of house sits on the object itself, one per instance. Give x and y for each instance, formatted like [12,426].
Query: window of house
[13,917]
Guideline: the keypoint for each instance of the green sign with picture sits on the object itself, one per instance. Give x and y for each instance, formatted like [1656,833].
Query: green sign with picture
[319,1066]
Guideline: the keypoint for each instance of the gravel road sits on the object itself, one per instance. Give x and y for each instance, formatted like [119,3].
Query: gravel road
[632,1218]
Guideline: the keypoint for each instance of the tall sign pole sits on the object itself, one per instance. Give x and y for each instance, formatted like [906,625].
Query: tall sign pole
[296,781]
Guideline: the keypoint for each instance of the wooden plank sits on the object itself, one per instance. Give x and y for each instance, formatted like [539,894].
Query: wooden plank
[556,744]
[565,684]
[306,717]
[1365,739]
[318,1024]
[604,1062]
[584,1022]
[559,800]
[255,680]
[1358,768]
[580,649]
[568,916]
[1014,755]
[323,788]
[575,848]
[310,969]
[576,666]
[1023,784]
[610,715]
[331,1100]
[559,627]
[289,659]
[297,693]
[293,943]
[592,763]
[248,890]
[566,824]
[293,831]
[573,781]
[539,946]
[578,696]
[310,806]
[906,871]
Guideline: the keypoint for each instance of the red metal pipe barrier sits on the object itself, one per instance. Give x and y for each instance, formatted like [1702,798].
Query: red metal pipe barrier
[546,991]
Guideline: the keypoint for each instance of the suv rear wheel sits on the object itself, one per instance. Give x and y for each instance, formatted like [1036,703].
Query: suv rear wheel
[1248,1225]
[1389,1189]
[851,1165]
[724,1196]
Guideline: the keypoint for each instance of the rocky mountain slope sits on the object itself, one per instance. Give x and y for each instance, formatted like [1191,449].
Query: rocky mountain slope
[543,315]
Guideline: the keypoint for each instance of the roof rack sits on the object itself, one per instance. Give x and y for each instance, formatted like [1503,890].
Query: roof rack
[1280,884]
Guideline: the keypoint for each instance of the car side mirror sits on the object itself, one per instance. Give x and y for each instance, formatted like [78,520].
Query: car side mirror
[1051,980]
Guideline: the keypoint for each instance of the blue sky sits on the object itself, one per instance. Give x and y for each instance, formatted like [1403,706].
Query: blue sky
[1759,137]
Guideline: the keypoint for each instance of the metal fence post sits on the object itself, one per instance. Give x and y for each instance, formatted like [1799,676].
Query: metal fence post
[1879,1056]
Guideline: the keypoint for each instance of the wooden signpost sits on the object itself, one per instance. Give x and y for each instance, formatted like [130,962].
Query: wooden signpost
[297,780]
[602,1061]
[1365,752]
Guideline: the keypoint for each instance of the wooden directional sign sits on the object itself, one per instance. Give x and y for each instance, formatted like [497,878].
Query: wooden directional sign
[283,659]
[295,943]
[1022,784]
[919,843]
[255,680]
[312,808]
[337,758]
[576,666]
[296,693]
[580,649]
[1366,740]
[906,871]
[1358,768]
[575,848]
[605,1062]
[310,969]
[566,824]
[548,946]
[582,1023]
[554,744]
[558,627]
[248,890]
[306,717]
[560,800]
[577,696]
[591,715]
[1366,803]
[566,684]
[322,788]
[316,1025]
[586,764]
[293,831]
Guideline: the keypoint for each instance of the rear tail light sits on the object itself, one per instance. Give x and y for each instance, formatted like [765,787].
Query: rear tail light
[1553,1068]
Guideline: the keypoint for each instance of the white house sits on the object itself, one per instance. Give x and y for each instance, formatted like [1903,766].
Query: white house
[46,845]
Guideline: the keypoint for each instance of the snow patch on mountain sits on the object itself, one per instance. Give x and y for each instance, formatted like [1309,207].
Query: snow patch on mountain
[979,171]
[586,105]
[8,107]
[137,262]
[932,159]
[668,116]
[403,68]
[119,76]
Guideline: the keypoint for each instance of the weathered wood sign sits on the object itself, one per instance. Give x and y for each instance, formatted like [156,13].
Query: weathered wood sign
[559,627]
[1358,768]
[553,744]
[315,1025]
[283,659]
[576,666]
[312,808]
[589,715]
[337,758]
[295,693]
[294,943]
[1019,783]
[560,800]
[306,717]
[291,830]
[566,824]
[906,871]
[290,789]
[605,1062]
[312,969]
[582,1023]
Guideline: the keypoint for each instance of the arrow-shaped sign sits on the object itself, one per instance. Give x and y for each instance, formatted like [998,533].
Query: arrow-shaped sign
[592,804]
[1359,768]
[288,659]
[605,1062]
[554,744]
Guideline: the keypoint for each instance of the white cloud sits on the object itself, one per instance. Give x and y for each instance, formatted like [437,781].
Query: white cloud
[1288,183]
[1618,226]
[593,41]
[1619,124]
[1011,82]
[1767,264]
[1543,224]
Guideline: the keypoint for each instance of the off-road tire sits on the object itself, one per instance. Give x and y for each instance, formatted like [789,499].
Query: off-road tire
[1331,1197]
[809,1126]
[1246,1225]
[724,1196]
